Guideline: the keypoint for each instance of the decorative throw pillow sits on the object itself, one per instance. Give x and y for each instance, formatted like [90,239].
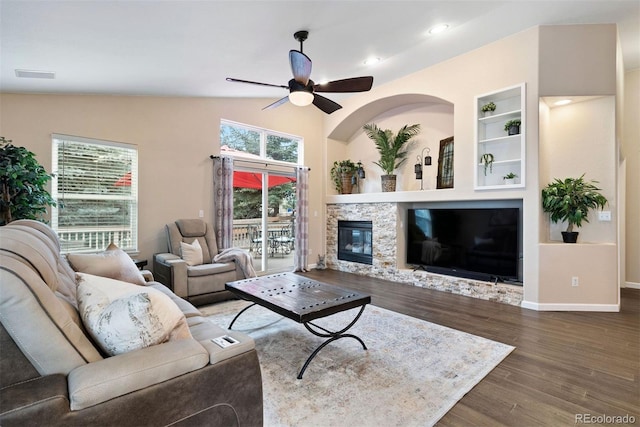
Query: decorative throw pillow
[121,317]
[113,263]
[191,253]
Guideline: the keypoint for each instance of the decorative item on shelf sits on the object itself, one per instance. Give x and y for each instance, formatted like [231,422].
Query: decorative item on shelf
[512,127]
[510,178]
[359,175]
[342,174]
[487,160]
[488,108]
[392,149]
[418,166]
[570,200]
[23,181]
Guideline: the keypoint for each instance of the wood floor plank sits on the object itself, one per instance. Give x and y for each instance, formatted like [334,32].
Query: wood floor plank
[565,363]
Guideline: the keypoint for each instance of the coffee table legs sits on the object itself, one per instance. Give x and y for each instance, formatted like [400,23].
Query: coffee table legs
[318,331]
[238,315]
[333,336]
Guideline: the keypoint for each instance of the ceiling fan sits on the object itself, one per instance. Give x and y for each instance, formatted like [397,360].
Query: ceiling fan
[302,90]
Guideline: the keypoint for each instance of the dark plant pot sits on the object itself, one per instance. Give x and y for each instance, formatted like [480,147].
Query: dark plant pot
[388,183]
[514,130]
[570,236]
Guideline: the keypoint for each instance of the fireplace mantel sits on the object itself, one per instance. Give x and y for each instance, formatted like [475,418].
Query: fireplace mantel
[418,196]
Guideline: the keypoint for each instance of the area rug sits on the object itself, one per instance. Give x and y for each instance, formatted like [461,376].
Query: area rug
[412,373]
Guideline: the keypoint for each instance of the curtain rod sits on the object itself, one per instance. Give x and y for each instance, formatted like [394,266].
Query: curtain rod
[261,162]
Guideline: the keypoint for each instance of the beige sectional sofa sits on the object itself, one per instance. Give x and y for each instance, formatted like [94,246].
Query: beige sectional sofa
[56,370]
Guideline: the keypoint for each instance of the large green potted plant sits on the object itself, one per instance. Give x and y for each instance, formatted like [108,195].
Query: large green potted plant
[571,200]
[22,184]
[342,174]
[393,149]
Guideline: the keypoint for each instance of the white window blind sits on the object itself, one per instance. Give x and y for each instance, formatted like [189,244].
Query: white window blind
[96,191]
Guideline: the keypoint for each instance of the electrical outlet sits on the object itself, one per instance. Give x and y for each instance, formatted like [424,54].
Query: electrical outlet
[201,213]
[575,281]
[604,216]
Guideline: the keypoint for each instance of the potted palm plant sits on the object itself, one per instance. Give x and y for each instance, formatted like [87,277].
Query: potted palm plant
[342,174]
[23,181]
[393,149]
[570,200]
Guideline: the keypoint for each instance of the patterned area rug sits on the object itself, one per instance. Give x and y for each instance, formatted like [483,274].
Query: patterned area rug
[412,373]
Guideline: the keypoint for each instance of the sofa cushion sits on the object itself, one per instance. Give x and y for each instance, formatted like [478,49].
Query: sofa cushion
[191,253]
[113,263]
[122,317]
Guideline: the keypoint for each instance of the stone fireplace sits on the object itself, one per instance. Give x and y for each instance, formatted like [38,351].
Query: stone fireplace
[385,229]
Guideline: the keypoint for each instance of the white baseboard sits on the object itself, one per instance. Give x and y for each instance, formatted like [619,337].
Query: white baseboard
[570,307]
[632,285]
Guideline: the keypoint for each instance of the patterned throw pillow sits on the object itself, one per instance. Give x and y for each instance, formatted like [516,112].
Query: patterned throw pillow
[121,317]
[113,263]
[191,253]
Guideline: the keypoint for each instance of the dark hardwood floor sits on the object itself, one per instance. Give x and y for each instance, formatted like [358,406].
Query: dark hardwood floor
[564,364]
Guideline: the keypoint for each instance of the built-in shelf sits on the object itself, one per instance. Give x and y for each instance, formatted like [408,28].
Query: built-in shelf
[490,138]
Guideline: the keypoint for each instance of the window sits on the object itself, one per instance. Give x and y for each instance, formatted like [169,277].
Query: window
[96,190]
[264,197]
[262,143]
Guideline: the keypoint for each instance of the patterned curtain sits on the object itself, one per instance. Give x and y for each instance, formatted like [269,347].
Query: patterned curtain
[223,200]
[302,220]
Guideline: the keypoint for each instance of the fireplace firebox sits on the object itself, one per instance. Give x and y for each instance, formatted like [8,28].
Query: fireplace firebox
[355,241]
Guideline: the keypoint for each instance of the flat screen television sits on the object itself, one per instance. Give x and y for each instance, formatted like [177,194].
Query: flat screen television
[474,243]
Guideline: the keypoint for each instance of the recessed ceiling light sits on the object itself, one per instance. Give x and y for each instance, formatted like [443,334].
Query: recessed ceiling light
[562,102]
[372,61]
[35,74]
[438,28]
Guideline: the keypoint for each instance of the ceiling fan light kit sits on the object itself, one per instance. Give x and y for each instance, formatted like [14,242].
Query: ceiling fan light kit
[302,89]
[300,98]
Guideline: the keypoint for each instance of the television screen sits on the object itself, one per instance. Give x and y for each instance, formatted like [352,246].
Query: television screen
[474,243]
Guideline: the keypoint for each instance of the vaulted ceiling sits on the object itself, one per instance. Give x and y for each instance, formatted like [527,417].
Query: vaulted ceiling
[188,48]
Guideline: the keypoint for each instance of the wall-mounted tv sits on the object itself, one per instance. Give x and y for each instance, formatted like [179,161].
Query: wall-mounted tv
[478,243]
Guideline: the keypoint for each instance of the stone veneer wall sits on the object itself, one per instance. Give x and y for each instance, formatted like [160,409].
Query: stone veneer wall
[384,218]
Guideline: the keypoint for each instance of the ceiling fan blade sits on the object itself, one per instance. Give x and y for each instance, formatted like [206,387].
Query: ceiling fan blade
[300,66]
[278,103]
[325,104]
[229,79]
[354,84]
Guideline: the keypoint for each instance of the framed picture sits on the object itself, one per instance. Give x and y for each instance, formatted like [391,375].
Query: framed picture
[445,164]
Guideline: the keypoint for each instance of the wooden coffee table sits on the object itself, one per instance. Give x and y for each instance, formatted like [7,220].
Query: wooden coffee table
[303,300]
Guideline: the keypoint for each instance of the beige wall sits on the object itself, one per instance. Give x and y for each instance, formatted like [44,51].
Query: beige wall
[631,152]
[175,137]
[567,60]
[458,81]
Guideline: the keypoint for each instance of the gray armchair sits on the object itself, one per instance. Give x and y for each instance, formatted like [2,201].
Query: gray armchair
[199,284]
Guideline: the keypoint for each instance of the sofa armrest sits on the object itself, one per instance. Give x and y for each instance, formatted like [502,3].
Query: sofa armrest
[171,271]
[115,376]
[148,276]
[31,396]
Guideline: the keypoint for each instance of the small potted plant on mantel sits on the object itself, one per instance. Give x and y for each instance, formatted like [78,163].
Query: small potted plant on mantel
[510,178]
[393,149]
[570,200]
[342,175]
[488,108]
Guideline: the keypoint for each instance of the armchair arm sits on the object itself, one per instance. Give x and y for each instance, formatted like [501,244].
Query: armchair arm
[116,376]
[171,271]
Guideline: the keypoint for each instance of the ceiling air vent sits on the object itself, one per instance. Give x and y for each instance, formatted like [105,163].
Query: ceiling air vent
[35,74]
